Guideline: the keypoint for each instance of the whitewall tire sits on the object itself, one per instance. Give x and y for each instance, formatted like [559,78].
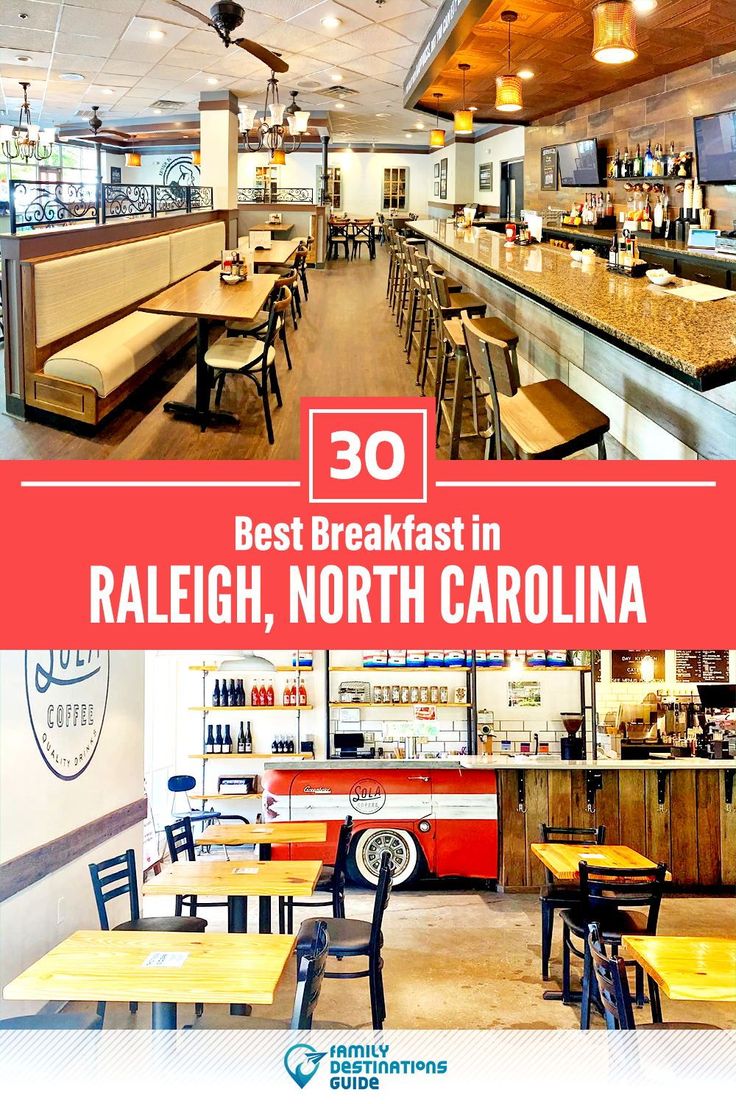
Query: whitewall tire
[364,859]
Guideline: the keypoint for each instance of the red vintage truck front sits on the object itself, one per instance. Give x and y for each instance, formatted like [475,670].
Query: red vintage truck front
[434,817]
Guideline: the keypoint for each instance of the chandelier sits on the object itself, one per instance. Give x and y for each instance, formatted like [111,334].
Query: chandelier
[280,130]
[26,142]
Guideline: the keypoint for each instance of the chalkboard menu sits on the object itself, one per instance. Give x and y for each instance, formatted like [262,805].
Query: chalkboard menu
[701,666]
[626,666]
[549,169]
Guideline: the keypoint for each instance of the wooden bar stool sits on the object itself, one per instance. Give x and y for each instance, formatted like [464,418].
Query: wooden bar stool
[543,421]
[444,304]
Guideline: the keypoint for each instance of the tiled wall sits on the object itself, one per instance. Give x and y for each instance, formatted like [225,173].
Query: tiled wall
[661,109]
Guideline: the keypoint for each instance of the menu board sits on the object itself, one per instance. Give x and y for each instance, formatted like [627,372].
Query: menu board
[549,169]
[701,666]
[626,666]
[485,177]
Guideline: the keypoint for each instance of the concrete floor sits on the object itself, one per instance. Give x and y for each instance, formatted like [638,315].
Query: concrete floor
[457,956]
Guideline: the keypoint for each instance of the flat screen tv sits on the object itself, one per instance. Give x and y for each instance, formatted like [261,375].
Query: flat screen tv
[715,147]
[578,164]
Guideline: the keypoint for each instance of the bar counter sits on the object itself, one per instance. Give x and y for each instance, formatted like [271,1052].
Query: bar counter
[661,367]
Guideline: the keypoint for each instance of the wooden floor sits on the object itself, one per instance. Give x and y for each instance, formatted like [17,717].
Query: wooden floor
[347,344]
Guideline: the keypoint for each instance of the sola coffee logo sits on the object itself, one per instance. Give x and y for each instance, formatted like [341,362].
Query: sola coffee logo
[66,693]
[367,796]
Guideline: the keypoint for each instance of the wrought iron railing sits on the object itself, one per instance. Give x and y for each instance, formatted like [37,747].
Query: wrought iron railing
[275,195]
[35,203]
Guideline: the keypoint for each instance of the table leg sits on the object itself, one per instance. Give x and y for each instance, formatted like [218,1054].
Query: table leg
[200,413]
[163,1016]
[264,915]
[264,852]
[458,402]
[237,922]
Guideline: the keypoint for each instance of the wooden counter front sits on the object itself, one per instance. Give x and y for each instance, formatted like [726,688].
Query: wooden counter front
[693,831]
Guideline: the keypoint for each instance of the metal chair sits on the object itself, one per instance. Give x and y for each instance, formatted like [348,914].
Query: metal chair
[359,939]
[258,328]
[559,895]
[53,1021]
[606,894]
[180,840]
[182,784]
[612,984]
[337,235]
[331,881]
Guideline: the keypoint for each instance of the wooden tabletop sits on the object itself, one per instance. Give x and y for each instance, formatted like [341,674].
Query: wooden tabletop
[687,967]
[563,859]
[278,253]
[204,295]
[111,966]
[272,226]
[283,831]
[216,878]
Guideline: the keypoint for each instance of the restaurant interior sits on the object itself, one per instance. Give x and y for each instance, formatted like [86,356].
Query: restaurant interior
[368,839]
[525,213]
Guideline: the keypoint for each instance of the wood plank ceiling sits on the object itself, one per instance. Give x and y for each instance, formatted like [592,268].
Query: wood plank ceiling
[553,38]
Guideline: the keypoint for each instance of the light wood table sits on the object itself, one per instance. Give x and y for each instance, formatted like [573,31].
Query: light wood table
[204,296]
[264,835]
[274,227]
[112,966]
[278,254]
[686,967]
[563,859]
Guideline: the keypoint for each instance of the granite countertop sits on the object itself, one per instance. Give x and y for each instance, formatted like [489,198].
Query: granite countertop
[646,244]
[498,762]
[694,341]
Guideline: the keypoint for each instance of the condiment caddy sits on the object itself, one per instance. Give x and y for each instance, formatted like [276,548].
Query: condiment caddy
[233,268]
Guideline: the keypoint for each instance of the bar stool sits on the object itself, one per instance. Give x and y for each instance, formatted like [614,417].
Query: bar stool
[393,265]
[444,304]
[544,421]
[408,272]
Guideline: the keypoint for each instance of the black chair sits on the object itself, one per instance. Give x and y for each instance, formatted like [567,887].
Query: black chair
[612,984]
[53,1021]
[556,895]
[311,964]
[116,877]
[363,234]
[338,235]
[331,881]
[183,784]
[359,939]
[180,841]
[606,894]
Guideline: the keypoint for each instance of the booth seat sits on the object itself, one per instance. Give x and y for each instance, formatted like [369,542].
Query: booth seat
[92,346]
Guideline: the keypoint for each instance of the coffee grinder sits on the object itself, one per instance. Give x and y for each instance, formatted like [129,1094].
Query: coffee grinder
[572,746]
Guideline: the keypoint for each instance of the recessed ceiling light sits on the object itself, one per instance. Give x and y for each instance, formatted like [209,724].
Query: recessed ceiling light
[643,7]
[71,77]
[157,111]
[382,115]
[336,76]
[473,108]
[331,22]
[107,91]
[419,126]
[408,135]
[156,34]
[212,80]
[23,59]
[339,106]
[525,74]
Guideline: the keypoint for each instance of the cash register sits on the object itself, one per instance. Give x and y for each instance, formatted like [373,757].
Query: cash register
[351,745]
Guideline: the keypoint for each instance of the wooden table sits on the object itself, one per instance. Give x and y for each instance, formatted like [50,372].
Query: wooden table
[264,835]
[111,966]
[564,859]
[278,254]
[274,227]
[686,967]
[204,296]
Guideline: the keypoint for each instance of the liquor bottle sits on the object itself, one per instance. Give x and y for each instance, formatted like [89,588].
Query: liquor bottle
[302,694]
[638,165]
[254,694]
[218,739]
[626,163]
[248,740]
[269,693]
[274,746]
[290,747]
[210,743]
[286,696]
[293,694]
[658,215]
[262,694]
[216,695]
[658,160]
[224,695]
[609,205]
[241,739]
[613,250]
[613,166]
[649,160]
[241,693]
[227,743]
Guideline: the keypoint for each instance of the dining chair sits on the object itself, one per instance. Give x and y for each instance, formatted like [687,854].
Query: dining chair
[614,995]
[337,235]
[258,326]
[53,1021]
[363,235]
[181,785]
[555,895]
[359,939]
[253,358]
[330,882]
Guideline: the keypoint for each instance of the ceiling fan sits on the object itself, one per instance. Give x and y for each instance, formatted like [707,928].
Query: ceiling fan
[224,18]
[99,131]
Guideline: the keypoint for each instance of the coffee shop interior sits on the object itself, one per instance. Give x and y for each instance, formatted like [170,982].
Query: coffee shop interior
[481,839]
[525,213]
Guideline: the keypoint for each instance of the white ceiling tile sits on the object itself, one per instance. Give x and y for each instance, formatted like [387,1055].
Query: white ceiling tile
[373,66]
[138,31]
[383,13]
[93,47]
[164,12]
[128,6]
[414,27]
[287,36]
[403,56]
[41,17]
[312,19]
[76,63]
[375,39]
[104,24]
[25,39]
[287,9]
[334,53]
[131,69]
[139,51]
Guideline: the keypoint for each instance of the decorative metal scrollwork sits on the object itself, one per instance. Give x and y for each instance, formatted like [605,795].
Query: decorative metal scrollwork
[275,195]
[39,203]
[200,199]
[126,200]
[169,198]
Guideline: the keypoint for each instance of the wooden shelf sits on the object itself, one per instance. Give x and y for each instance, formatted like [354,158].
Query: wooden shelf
[276,670]
[386,670]
[248,708]
[224,796]
[401,705]
[227,756]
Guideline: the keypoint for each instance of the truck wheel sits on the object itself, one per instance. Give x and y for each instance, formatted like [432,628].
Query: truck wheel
[364,858]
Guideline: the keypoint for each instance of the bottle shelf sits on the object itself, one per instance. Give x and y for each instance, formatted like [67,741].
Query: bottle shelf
[248,708]
[225,796]
[400,705]
[647,179]
[387,670]
[248,674]
[226,755]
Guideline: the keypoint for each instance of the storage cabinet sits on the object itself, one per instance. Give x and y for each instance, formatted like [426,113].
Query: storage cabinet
[395,193]
[692,268]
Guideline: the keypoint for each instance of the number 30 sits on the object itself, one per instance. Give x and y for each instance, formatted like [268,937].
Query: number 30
[350,454]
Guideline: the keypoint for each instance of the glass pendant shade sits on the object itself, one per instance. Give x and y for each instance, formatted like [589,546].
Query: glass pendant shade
[614,32]
[437,138]
[508,93]
[276,111]
[132,160]
[302,121]
[196,157]
[48,136]
[464,122]
[6,133]
[278,157]
[245,118]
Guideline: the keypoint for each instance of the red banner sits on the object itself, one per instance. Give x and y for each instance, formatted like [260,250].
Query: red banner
[367,539]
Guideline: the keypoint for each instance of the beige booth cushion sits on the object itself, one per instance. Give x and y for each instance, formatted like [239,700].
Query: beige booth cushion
[108,358]
[195,248]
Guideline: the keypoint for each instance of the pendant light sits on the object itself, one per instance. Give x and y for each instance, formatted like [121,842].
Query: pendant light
[437,134]
[246,661]
[196,157]
[463,118]
[278,157]
[614,32]
[132,160]
[508,86]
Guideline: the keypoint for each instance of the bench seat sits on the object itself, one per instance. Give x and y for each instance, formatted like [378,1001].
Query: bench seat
[112,355]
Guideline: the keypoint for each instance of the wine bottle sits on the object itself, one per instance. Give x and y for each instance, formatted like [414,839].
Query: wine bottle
[292,694]
[302,694]
[625,163]
[227,743]
[241,739]
[649,160]
[286,696]
[262,699]
[210,743]
[234,700]
[216,695]
[241,693]
[224,695]
[269,693]
[248,740]
[218,739]
[254,694]
[273,747]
